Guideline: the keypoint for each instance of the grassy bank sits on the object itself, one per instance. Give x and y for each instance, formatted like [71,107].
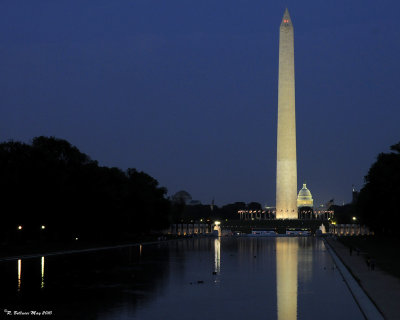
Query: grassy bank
[383,250]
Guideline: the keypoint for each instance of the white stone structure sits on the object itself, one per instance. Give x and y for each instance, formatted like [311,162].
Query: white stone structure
[304,198]
[188,229]
[349,230]
[286,167]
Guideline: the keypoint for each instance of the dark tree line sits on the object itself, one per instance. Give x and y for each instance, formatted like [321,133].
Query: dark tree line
[51,183]
[200,211]
[379,200]
[344,214]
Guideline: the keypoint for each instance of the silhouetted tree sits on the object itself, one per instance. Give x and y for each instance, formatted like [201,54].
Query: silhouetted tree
[52,183]
[378,201]
[344,214]
[254,206]
[199,211]
[230,211]
[181,197]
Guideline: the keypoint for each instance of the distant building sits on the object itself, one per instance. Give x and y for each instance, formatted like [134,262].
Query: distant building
[324,211]
[256,214]
[305,203]
[304,199]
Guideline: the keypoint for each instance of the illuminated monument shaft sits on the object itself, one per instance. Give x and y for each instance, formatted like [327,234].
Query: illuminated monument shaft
[286,166]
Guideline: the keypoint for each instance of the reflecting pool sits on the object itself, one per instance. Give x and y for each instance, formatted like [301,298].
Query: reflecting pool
[201,278]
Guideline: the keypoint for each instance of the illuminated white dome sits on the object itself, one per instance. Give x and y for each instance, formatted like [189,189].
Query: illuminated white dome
[304,199]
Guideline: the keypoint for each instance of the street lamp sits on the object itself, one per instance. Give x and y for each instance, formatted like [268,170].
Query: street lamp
[19,227]
[43,227]
[354,218]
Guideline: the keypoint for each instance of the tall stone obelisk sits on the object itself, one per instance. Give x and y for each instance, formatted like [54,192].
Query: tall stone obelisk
[286,165]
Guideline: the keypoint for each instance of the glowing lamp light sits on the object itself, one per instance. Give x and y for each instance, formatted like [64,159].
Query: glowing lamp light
[354,218]
[43,227]
[217,223]
[19,227]
[76,238]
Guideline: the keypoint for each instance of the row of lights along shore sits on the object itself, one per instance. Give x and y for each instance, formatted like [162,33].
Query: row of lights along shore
[41,227]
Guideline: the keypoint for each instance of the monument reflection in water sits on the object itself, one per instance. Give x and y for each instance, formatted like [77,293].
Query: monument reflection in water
[283,278]
[217,255]
[286,277]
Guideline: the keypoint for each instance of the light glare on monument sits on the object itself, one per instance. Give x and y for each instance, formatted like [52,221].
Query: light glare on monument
[286,166]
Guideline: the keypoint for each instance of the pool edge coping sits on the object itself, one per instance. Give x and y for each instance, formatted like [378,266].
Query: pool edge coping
[367,306]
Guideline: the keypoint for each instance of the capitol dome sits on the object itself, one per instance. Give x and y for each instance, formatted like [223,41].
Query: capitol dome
[304,199]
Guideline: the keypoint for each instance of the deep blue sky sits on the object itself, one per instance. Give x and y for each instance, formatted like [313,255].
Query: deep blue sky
[187,90]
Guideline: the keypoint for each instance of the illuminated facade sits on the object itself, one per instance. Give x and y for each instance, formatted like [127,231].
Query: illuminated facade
[304,198]
[286,166]
[256,214]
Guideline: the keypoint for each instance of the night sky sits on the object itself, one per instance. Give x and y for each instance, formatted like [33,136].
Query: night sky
[187,90]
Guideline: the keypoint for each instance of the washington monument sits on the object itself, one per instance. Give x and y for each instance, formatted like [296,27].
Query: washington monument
[286,164]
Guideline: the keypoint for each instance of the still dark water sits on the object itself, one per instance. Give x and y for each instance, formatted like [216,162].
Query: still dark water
[208,278]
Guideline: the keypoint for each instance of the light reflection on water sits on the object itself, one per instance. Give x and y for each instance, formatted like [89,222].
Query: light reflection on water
[221,278]
[42,269]
[286,277]
[217,255]
[19,275]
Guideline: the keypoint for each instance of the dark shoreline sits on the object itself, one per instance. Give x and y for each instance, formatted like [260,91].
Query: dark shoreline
[14,252]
